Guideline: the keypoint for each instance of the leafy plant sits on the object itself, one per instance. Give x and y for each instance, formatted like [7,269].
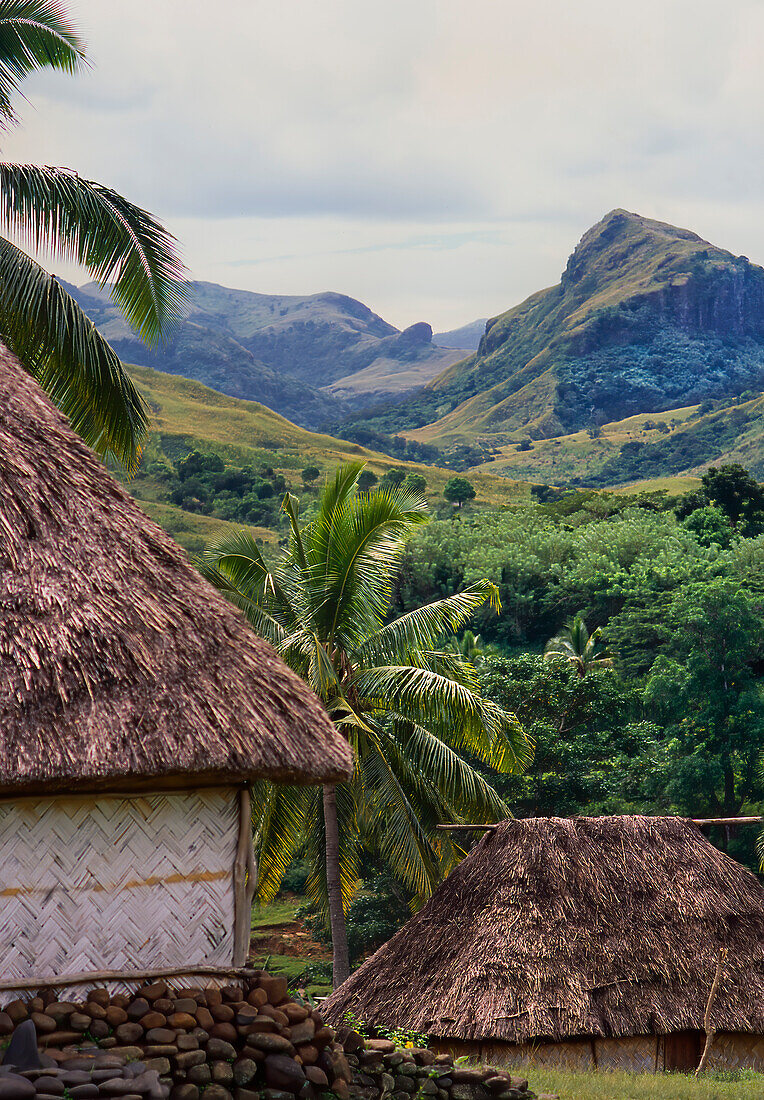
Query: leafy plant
[582,650]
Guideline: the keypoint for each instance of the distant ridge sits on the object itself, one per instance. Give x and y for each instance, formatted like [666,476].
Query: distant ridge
[646,317]
[468,336]
[311,358]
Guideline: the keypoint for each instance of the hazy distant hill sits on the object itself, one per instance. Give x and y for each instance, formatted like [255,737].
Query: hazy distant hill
[646,317]
[468,336]
[310,358]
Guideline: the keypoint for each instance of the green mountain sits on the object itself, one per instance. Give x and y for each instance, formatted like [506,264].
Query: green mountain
[313,359]
[655,450]
[646,317]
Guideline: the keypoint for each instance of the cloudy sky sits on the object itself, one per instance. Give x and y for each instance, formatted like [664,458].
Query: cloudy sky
[437,159]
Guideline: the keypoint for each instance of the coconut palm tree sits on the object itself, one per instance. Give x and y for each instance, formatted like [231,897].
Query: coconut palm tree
[409,709]
[77,220]
[578,647]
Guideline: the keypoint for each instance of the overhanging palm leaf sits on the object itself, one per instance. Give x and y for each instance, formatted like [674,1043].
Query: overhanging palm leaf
[67,355]
[89,224]
[278,823]
[34,34]
[393,826]
[463,787]
[416,629]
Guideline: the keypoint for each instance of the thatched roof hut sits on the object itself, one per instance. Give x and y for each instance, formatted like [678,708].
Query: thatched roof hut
[124,674]
[576,939]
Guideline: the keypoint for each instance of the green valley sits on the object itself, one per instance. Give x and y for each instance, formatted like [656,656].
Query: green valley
[244,435]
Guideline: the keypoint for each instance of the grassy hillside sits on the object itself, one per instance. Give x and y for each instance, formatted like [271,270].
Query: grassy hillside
[645,318]
[191,530]
[668,447]
[188,416]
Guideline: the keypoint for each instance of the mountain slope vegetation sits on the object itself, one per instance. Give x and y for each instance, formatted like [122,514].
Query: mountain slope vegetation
[646,317]
[257,445]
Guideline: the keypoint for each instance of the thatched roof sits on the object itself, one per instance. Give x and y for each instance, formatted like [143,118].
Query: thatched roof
[118,663]
[553,928]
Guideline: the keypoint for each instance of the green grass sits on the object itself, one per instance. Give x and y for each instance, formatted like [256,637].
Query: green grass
[193,532]
[601,1085]
[676,445]
[189,416]
[281,911]
[292,967]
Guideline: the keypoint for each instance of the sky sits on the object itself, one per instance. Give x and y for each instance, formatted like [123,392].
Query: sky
[438,159]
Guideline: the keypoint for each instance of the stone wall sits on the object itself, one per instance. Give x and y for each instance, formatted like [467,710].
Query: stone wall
[246,1041]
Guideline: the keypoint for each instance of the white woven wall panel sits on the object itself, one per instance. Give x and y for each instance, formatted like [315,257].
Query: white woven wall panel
[116,883]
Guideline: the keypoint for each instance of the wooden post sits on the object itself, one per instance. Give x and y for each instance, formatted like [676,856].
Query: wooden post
[244,881]
[711,1032]
[727,821]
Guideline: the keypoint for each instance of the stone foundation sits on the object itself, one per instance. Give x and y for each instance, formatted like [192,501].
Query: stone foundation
[246,1041]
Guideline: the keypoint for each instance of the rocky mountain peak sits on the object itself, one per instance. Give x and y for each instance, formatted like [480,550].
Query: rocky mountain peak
[622,234]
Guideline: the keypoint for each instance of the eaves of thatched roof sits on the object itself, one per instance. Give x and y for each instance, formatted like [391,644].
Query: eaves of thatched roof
[557,928]
[119,665]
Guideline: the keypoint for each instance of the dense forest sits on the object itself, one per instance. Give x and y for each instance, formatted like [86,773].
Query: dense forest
[650,700]
[676,723]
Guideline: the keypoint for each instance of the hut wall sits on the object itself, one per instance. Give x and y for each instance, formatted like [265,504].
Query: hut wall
[737,1050]
[116,882]
[637,1054]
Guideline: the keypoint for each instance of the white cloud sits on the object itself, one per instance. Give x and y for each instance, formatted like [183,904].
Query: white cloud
[436,158]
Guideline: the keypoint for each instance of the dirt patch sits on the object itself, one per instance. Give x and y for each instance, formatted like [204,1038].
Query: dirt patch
[289,938]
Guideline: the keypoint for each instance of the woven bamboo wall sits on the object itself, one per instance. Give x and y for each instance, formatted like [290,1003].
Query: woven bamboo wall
[737,1051]
[635,1054]
[114,883]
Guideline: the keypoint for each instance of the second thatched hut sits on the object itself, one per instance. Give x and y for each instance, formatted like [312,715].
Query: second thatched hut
[590,942]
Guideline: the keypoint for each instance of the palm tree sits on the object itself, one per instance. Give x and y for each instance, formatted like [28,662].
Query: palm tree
[408,709]
[578,647]
[81,221]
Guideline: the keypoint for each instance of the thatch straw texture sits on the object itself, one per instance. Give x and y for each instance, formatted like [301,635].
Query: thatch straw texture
[554,928]
[118,663]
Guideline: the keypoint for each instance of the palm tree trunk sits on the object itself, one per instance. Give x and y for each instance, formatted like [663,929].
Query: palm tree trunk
[341,957]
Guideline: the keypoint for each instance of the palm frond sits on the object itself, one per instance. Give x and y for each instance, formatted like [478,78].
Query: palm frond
[464,788]
[460,715]
[322,675]
[61,347]
[359,550]
[391,822]
[34,34]
[234,564]
[279,819]
[118,242]
[420,629]
[291,507]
